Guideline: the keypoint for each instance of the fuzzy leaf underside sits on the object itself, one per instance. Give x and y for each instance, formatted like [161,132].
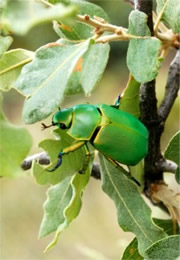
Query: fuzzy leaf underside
[133,214]
[166,248]
[142,57]
[131,252]
[171,13]
[77,30]
[45,79]
[11,64]
[63,205]
[90,70]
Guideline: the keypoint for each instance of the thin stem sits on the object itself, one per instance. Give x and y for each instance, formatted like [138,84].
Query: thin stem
[156,25]
[172,87]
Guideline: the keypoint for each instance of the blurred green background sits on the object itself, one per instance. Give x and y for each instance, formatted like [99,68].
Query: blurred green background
[95,233]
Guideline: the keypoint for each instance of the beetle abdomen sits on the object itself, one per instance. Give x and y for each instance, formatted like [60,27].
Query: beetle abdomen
[124,139]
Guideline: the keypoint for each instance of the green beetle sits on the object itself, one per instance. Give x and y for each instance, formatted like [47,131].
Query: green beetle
[115,133]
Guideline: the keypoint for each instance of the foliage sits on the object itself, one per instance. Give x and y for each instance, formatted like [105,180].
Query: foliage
[74,64]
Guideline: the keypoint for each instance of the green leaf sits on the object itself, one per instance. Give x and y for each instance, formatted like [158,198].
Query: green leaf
[93,63]
[177,174]
[129,101]
[71,162]
[132,212]
[172,151]
[137,172]
[167,248]
[171,13]
[11,64]
[5,42]
[45,79]
[63,205]
[168,226]
[131,251]
[20,16]
[77,30]
[142,57]
[15,145]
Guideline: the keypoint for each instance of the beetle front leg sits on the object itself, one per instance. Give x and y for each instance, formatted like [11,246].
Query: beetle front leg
[66,150]
[57,164]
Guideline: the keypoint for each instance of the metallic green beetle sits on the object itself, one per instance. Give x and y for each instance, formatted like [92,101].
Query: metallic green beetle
[115,133]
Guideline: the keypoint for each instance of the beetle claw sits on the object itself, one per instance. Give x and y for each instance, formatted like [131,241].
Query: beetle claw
[57,164]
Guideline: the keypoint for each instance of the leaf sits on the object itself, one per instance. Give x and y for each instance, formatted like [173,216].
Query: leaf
[77,30]
[177,175]
[11,64]
[142,57]
[137,172]
[15,145]
[45,79]
[167,225]
[20,16]
[131,251]
[132,212]
[172,151]
[129,101]
[63,205]
[71,162]
[167,248]
[171,13]
[93,64]
[5,42]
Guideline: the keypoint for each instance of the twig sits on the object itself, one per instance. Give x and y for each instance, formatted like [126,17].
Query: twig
[43,159]
[149,113]
[172,88]
[167,166]
[100,24]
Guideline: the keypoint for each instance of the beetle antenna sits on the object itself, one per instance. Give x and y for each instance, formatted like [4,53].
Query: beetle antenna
[45,126]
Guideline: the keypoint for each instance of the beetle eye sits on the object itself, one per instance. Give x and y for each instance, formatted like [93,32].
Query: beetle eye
[62,126]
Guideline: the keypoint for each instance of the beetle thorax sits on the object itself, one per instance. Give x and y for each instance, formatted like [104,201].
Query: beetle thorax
[63,118]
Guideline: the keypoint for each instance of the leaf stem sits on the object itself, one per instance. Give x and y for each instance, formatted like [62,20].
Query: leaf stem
[156,25]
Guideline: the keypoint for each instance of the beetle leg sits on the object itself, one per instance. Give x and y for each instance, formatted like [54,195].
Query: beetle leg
[66,150]
[116,164]
[117,102]
[86,162]
[57,164]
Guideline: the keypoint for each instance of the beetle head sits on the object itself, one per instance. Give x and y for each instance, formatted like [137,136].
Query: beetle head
[63,118]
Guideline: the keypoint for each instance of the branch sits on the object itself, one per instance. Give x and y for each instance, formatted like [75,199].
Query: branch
[100,24]
[43,159]
[167,166]
[149,113]
[172,88]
